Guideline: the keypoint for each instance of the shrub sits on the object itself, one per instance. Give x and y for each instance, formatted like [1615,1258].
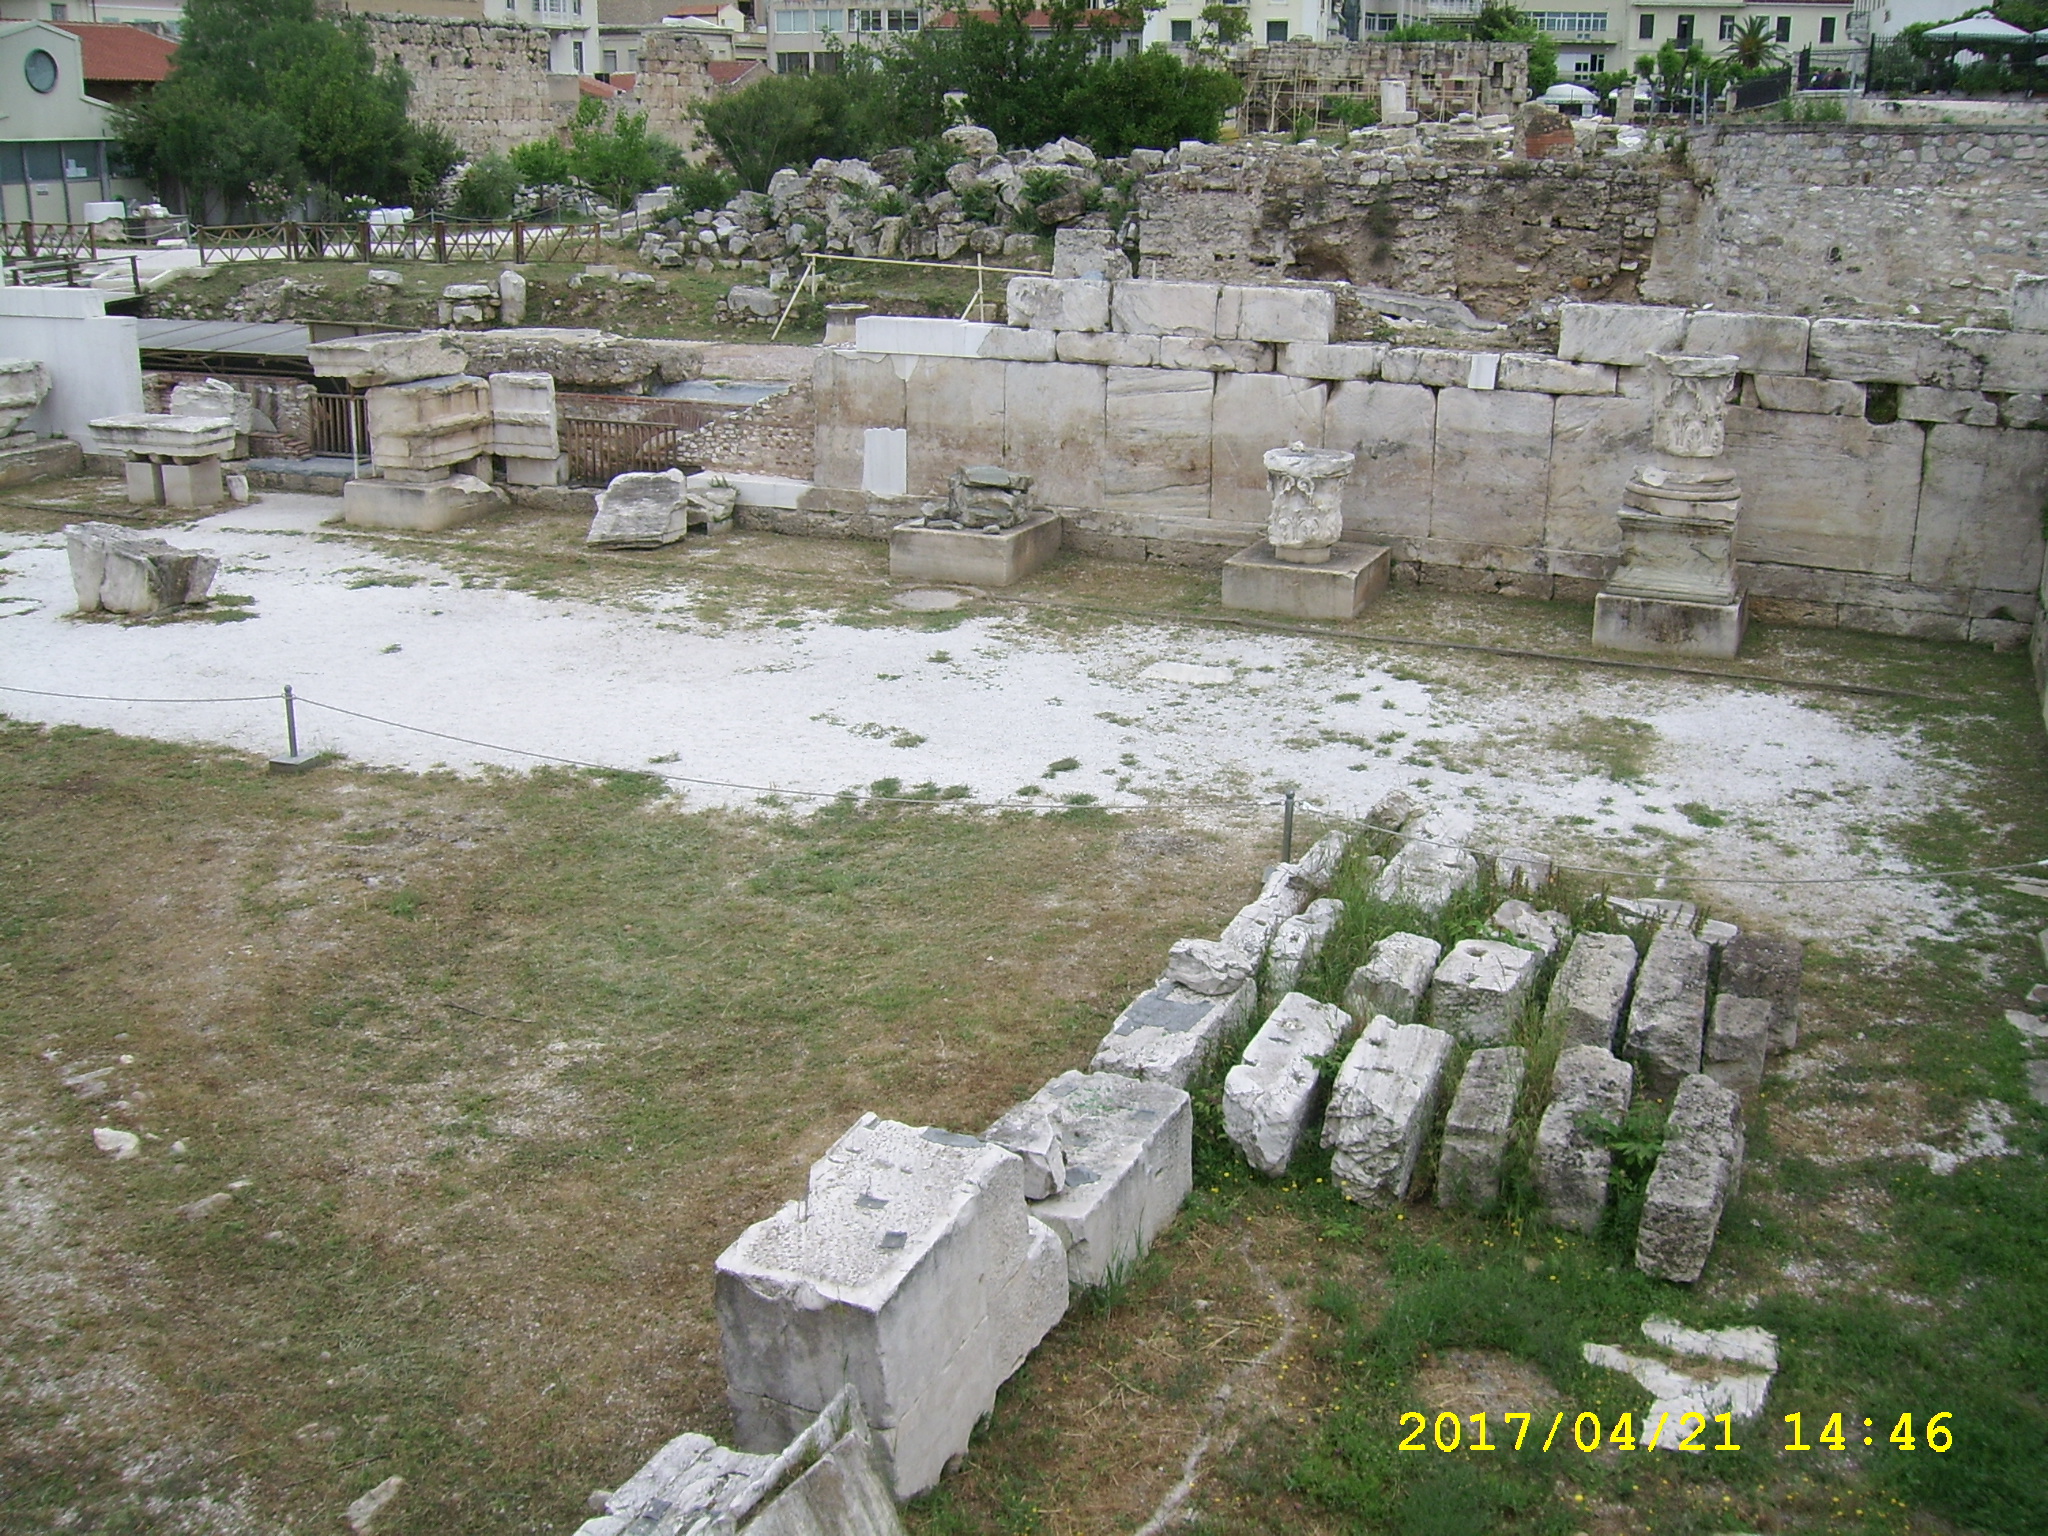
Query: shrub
[488,189]
[704,186]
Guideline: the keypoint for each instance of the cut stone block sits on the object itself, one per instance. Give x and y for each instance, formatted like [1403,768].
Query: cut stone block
[1296,944]
[1319,865]
[1278,314]
[523,424]
[1738,1038]
[971,557]
[1220,357]
[1169,1033]
[1148,307]
[1521,869]
[1007,344]
[1284,895]
[1431,867]
[641,511]
[430,425]
[1309,360]
[364,361]
[1480,988]
[1623,334]
[122,571]
[1809,397]
[1695,1178]
[2029,302]
[181,439]
[1547,931]
[1158,420]
[1393,979]
[1207,966]
[1130,1164]
[907,1270]
[196,483]
[1669,625]
[1059,304]
[1110,349]
[1033,1132]
[919,336]
[1758,965]
[1271,1095]
[1591,989]
[421,506]
[1571,1168]
[1476,1130]
[1877,351]
[1259,581]
[1553,376]
[1767,344]
[1668,1019]
[1381,1108]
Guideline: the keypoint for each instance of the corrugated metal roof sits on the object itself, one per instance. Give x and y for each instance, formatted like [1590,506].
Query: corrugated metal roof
[223,336]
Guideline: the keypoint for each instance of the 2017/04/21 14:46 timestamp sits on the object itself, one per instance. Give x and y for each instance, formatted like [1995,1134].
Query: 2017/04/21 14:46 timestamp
[1447,1433]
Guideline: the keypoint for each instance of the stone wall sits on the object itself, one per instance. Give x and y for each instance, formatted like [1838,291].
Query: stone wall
[1822,218]
[674,76]
[1444,78]
[1892,473]
[487,85]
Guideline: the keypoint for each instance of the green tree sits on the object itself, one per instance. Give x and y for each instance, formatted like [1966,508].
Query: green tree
[620,159]
[1149,100]
[1502,23]
[1224,26]
[1754,47]
[489,189]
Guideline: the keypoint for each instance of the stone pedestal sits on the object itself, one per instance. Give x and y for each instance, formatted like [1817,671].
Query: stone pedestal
[971,557]
[172,460]
[417,506]
[1670,627]
[1257,579]
[145,479]
[194,484]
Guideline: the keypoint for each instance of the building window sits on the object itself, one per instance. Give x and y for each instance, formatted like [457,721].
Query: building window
[1589,66]
[1646,25]
[792,63]
[611,61]
[1571,23]
[60,12]
[792,21]
[1276,31]
[825,63]
[1827,29]
[904,21]
[1684,29]
[863,21]
[1727,29]
[576,52]
[1181,31]
[828,21]
[1784,29]
[1379,21]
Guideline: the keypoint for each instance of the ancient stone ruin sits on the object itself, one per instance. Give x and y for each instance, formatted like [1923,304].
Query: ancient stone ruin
[117,570]
[987,532]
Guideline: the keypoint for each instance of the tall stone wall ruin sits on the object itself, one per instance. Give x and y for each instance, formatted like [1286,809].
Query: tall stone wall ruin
[489,86]
[674,76]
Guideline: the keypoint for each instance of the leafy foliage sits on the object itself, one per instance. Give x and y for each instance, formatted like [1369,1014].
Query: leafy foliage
[703,186]
[489,189]
[1754,47]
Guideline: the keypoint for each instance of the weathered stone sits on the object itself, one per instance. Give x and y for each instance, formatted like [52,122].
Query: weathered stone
[117,1144]
[1307,489]
[1738,1037]
[1491,447]
[1766,344]
[1521,869]
[1106,349]
[1206,966]
[1476,1131]
[1617,333]
[1480,987]
[181,439]
[1296,944]
[1055,425]
[1537,374]
[1316,360]
[24,385]
[953,412]
[1436,367]
[1276,314]
[1213,355]
[1758,965]
[1007,344]
[215,398]
[394,359]
[511,298]
[1271,1095]
[1393,979]
[2005,362]
[1429,870]
[1262,580]
[975,142]
[1090,253]
[1032,1131]
[1130,1164]
[1667,1020]
[910,1269]
[1571,1166]
[1318,867]
[1392,430]
[1809,397]
[1595,447]
[429,426]
[640,511]
[1159,421]
[523,422]
[581,358]
[419,507]
[1546,931]
[1254,413]
[1147,307]
[1381,1108]
[1947,406]
[1591,989]
[122,571]
[1980,509]
[1876,351]
[1168,1034]
[1059,304]
[2029,302]
[1696,1175]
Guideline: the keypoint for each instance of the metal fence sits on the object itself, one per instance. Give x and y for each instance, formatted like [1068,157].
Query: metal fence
[607,435]
[331,418]
[440,240]
[1762,91]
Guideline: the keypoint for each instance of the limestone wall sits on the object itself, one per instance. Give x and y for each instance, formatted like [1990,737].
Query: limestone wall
[487,85]
[674,76]
[1892,473]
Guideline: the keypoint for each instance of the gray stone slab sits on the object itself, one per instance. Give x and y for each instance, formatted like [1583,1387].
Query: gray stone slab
[1767,344]
[974,557]
[1158,421]
[1480,988]
[1153,307]
[1492,463]
[1669,626]
[954,412]
[1624,334]
[1695,1177]
[1208,966]
[1476,1131]
[1394,978]
[1341,588]
[1571,1166]
[1054,429]
[1169,1034]
[1545,932]
[1762,965]
[1554,376]
[1980,509]
[1255,412]
[1830,491]
[1296,945]
[1595,446]
[1392,430]
[1334,361]
[1130,1151]
[1668,1019]
[1058,304]
[1276,313]
[1272,1094]
[1381,1108]
[1810,397]
[1591,988]
[1738,1036]
[641,511]
[1876,351]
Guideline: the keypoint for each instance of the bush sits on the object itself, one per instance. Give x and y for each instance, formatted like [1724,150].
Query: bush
[488,189]
[1149,100]
[704,186]
[543,163]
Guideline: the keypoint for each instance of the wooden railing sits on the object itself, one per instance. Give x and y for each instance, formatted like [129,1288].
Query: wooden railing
[607,435]
[48,242]
[440,240]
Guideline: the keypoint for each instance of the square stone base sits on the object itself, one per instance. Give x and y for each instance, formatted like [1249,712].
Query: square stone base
[1259,580]
[1669,626]
[194,484]
[145,480]
[973,559]
[415,507]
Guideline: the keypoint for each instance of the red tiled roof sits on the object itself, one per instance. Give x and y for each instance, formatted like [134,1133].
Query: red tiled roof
[127,54]
[727,73]
[624,82]
[697,8]
[597,88]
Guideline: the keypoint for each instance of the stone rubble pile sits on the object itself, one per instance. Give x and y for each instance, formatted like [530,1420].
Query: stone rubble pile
[982,498]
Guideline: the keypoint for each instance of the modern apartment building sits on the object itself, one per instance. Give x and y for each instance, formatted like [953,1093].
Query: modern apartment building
[1601,38]
[162,16]
[805,39]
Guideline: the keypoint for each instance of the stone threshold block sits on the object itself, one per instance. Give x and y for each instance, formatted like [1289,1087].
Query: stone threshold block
[1667,1021]
[1381,1109]
[1259,581]
[1668,626]
[969,558]
[1480,988]
[1296,945]
[418,506]
[911,1271]
[1591,989]
[1271,1095]
[1394,978]
[1571,1167]
[1168,1034]
[1695,1178]
[1476,1130]
[1129,1164]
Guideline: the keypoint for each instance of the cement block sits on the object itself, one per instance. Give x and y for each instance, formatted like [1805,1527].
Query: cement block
[1810,397]
[1667,1021]
[1148,307]
[1393,979]
[419,506]
[1054,430]
[1381,1109]
[1767,344]
[1759,965]
[1668,626]
[971,557]
[1738,1037]
[1271,1095]
[1624,334]
[1168,1034]
[1591,989]
[1877,351]
[1158,420]
[1392,430]
[1480,988]
[1476,1131]
[1259,581]
[1545,932]
[1333,361]
[1695,1177]
[1276,314]
[1571,1168]
[1130,1164]
[1252,413]
[1059,304]
[1537,374]
[1296,944]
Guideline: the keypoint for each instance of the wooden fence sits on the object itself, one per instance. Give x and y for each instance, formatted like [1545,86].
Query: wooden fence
[441,240]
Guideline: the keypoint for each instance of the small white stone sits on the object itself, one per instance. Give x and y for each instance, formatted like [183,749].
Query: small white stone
[120,1144]
[365,1510]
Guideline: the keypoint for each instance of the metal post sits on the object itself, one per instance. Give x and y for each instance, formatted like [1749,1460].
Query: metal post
[291,724]
[1286,819]
[355,453]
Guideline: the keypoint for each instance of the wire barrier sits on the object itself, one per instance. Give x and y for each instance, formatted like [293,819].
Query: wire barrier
[1336,814]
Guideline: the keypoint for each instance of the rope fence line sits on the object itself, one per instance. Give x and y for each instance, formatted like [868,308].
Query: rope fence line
[1353,820]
